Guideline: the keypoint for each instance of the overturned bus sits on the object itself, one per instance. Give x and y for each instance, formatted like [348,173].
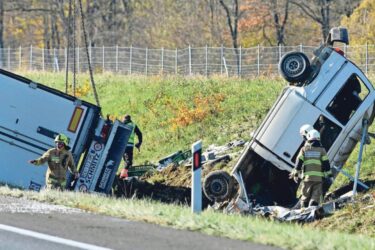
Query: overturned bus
[332,94]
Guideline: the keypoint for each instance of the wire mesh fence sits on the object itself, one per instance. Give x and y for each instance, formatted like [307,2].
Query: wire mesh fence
[207,61]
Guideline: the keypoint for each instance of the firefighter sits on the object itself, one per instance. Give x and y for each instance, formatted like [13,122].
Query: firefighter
[59,160]
[313,166]
[304,130]
[128,155]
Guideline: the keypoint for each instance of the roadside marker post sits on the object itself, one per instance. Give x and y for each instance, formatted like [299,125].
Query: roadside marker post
[196,190]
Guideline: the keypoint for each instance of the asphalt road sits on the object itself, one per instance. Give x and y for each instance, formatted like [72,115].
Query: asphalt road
[28,224]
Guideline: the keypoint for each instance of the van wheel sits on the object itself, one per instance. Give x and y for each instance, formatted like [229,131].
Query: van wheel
[218,186]
[294,67]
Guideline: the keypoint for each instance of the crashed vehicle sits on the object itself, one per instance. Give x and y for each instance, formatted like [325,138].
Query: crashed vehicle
[332,94]
[33,114]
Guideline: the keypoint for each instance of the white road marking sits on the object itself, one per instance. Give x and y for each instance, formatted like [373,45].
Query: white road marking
[51,238]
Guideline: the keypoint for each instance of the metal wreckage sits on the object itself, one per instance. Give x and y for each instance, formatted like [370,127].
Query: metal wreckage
[333,95]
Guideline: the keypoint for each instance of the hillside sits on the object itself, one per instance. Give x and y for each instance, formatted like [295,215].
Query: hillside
[174,112]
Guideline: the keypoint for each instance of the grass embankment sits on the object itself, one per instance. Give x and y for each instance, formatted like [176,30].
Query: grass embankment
[173,113]
[285,235]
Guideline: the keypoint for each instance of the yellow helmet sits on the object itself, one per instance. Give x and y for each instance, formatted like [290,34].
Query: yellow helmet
[62,138]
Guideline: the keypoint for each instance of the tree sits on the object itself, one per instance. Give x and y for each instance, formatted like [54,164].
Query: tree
[361,24]
[233,15]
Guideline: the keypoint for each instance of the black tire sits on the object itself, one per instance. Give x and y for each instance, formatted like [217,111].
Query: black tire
[218,186]
[294,67]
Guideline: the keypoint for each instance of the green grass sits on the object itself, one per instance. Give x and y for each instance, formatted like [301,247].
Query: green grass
[155,101]
[285,235]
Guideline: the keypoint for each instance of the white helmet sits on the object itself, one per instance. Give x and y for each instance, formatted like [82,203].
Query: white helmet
[313,135]
[305,129]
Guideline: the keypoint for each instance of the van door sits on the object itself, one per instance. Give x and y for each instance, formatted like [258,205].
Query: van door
[280,133]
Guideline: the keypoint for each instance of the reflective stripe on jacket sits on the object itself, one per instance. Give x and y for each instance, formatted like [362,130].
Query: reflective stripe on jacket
[312,157]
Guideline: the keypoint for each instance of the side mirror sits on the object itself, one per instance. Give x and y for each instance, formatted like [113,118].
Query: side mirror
[338,34]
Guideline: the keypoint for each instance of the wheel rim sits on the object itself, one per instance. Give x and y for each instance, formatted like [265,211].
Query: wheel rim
[294,66]
[218,187]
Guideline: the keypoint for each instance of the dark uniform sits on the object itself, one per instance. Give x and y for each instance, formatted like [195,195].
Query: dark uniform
[128,155]
[313,165]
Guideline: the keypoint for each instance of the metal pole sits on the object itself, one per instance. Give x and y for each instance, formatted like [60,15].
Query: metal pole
[146,61]
[221,59]
[31,58]
[162,60]
[43,59]
[176,62]
[189,60]
[258,60]
[20,59]
[279,52]
[130,59]
[116,58]
[8,58]
[103,61]
[66,60]
[358,166]
[78,70]
[366,70]
[301,47]
[206,61]
[345,50]
[240,63]
[196,189]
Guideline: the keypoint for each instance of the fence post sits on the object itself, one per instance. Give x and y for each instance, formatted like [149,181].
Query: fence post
[345,49]
[221,59]
[78,66]
[55,61]
[366,69]
[43,59]
[162,60]
[189,60]
[176,62]
[90,53]
[240,63]
[103,60]
[146,61]
[300,47]
[8,58]
[258,61]
[130,59]
[206,61]
[66,60]
[279,52]
[31,58]
[116,58]
[20,59]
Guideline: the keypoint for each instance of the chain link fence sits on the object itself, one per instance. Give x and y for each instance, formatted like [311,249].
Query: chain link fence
[207,61]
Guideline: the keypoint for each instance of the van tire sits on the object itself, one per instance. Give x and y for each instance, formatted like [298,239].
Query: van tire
[218,186]
[294,67]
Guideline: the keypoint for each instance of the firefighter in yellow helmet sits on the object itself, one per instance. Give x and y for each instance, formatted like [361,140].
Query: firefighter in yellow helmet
[313,166]
[59,160]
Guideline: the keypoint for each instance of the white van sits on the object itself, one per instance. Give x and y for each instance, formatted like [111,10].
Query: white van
[332,94]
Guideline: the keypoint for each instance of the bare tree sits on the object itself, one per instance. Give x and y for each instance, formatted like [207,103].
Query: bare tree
[279,11]
[233,14]
[326,12]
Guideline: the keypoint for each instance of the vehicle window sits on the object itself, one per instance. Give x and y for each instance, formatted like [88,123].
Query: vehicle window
[328,131]
[348,99]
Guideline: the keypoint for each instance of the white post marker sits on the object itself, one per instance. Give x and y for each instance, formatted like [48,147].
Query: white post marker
[196,189]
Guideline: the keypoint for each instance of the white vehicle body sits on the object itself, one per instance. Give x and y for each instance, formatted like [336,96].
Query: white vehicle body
[31,116]
[276,143]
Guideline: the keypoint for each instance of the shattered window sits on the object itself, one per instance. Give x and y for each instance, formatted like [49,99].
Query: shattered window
[328,131]
[348,99]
